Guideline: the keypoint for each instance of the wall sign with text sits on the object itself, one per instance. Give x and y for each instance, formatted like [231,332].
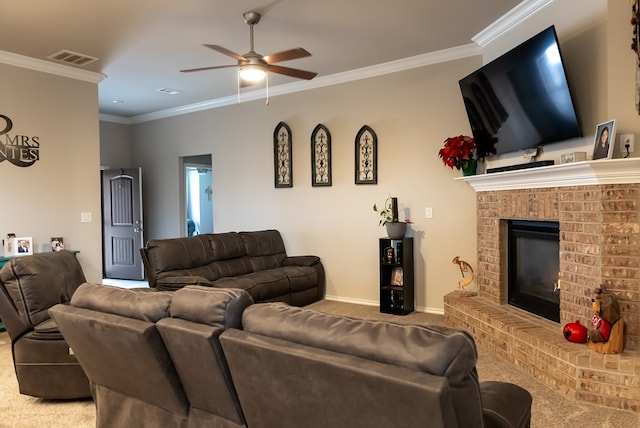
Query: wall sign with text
[20,150]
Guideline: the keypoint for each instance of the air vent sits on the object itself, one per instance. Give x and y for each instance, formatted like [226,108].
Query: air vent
[72,58]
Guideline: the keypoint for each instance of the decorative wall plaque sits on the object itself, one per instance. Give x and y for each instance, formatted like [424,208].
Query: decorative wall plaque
[320,156]
[366,156]
[283,167]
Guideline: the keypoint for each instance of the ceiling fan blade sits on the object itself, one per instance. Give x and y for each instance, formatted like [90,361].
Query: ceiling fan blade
[226,52]
[286,55]
[189,70]
[293,72]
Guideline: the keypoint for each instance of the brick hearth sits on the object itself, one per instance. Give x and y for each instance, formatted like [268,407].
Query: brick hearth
[598,207]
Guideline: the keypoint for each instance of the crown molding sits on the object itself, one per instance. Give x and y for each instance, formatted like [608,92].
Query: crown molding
[22,61]
[509,20]
[417,61]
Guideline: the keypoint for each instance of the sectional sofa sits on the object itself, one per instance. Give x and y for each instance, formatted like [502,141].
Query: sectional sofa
[255,261]
[210,357]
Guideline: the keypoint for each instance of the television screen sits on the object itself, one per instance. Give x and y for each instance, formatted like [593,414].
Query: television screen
[522,98]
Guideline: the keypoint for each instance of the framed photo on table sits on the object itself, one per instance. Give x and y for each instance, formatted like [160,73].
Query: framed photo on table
[23,246]
[57,243]
[604,140]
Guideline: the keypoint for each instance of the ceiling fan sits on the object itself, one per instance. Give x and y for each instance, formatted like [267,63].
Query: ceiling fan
[252,66]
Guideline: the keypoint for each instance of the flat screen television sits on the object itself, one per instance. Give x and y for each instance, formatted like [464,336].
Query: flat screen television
[522,98]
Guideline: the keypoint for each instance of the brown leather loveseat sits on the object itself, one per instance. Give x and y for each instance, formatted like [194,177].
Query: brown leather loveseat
[256,262]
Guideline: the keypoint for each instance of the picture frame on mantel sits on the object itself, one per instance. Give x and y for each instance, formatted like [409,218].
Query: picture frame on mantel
[366,156]
[282,156]
[604,140]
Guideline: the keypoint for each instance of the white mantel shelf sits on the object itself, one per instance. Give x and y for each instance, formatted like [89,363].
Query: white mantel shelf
[611,171]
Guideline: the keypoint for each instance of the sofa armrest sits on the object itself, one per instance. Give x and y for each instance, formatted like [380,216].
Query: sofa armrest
[301,261]
[505,405]
[173,283]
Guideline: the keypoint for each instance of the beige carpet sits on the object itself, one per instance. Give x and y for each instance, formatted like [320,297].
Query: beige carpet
[22,411]
[550,409]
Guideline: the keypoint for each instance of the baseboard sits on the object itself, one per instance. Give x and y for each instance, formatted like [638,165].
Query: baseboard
[435,311]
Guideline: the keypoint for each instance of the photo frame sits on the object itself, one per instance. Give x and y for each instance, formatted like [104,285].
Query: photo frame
[57,243]
[23,246]
[389,256]
[604,140]
[366,147]
[282,156]
[397,277]
[320,156]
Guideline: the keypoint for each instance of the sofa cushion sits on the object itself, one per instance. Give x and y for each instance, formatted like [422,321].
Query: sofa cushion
[265,249]
[435,350]
[202,275]
[179,253]
[206,305]
[300,277]
[226,246]
[37,282]
[142,305]
[233,267]
[262,286]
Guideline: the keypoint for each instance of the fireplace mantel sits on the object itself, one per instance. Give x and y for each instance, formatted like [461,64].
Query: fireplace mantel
[612,171]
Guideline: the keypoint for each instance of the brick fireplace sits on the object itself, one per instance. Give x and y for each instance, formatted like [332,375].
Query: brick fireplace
[597,205]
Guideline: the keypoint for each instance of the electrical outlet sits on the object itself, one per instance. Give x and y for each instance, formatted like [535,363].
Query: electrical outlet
[624,140]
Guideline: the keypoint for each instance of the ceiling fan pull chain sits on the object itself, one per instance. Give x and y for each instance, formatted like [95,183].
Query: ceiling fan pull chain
[238,76]
[267,83]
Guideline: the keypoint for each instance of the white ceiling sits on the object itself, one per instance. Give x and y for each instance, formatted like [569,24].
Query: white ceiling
[141,44]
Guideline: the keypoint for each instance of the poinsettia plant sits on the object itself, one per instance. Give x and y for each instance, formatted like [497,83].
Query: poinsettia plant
[462,151]
[458,152]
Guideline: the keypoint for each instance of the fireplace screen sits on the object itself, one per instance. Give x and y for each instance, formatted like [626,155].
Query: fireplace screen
[533,266]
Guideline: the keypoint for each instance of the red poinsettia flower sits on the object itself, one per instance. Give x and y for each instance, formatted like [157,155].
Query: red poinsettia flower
[458,151]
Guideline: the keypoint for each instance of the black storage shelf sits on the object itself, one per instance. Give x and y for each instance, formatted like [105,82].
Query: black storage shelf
[396,276]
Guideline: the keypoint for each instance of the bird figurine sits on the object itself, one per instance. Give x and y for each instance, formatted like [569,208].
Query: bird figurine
[464,267]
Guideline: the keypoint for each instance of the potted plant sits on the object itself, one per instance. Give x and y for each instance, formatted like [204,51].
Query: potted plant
[463,152]
[389,218]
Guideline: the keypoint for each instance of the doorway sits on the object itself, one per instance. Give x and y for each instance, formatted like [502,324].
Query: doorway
[198,195]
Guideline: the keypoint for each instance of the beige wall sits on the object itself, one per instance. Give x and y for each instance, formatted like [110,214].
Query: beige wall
[412,112]
[622,69]
[46,199]
[116,145]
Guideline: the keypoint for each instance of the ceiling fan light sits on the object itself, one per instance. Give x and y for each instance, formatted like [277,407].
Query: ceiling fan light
[252,73]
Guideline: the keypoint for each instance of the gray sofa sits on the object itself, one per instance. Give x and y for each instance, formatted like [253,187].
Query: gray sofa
[256,262]
[205,356]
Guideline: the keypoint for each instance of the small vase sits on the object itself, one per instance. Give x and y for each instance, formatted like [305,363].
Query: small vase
[469,168]
[396,230]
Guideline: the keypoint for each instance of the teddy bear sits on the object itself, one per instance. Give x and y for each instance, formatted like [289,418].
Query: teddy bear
[607,328]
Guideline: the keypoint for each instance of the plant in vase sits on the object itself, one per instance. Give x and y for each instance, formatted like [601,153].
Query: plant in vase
[464,152]
[389,218]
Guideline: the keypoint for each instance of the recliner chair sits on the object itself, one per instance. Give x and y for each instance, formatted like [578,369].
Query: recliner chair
[45,365]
